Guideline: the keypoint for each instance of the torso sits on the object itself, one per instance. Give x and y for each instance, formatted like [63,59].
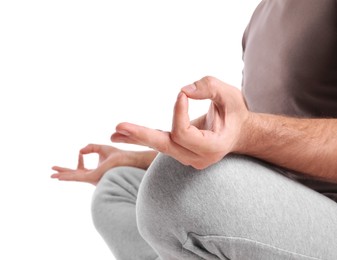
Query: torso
[290,57]
[290,64]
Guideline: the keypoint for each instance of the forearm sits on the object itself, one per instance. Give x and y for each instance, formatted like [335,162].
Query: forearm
[308,146]
[142,159]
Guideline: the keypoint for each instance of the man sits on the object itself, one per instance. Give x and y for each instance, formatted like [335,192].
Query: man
[255,177]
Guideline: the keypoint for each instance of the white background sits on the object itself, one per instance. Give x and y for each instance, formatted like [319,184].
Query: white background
[69,72]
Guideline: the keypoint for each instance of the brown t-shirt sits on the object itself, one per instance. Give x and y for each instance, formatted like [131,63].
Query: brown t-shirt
[290,64]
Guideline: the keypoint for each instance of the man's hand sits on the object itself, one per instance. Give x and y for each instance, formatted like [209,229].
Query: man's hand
[203,141]
[307,146]
[108,157]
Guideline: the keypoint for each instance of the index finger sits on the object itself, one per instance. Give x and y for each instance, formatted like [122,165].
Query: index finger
[181,119]
[183,132]
[80,163]
[135,134]
[156,139]
[90,148]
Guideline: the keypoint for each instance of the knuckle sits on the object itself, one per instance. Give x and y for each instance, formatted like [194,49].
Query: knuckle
[210,85]
[199,165]
[209,81]
[164,148]
[184,162]
[177,135]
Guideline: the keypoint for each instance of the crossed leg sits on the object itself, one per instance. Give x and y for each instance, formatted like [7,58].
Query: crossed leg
[239,208]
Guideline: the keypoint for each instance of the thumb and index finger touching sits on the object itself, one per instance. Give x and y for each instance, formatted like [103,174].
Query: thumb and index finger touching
[91,148]
[206,88]
[184,131]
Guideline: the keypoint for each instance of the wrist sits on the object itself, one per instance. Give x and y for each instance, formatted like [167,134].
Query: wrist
[133,159]
[140,159]
[247,134]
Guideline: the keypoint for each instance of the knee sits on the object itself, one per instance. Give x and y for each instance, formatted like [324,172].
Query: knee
[160,198]
[101,198]
[117,186]
[175,199]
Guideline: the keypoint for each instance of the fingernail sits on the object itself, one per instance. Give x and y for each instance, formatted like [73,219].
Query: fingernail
[189,88]
[123,132]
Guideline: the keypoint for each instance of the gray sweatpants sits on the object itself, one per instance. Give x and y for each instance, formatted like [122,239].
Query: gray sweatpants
[238,208]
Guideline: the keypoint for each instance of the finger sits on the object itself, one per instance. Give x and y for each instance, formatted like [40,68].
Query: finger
[183,133]
[91,148]
[71,177]
[119,138]
[61,169]
[130,133]
[80,164]
[155,139]
[181,119]
[207,88]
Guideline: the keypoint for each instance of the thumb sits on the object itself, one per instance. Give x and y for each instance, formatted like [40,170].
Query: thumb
[91,148]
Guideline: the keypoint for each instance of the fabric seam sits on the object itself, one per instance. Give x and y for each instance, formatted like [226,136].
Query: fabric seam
[250,240]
